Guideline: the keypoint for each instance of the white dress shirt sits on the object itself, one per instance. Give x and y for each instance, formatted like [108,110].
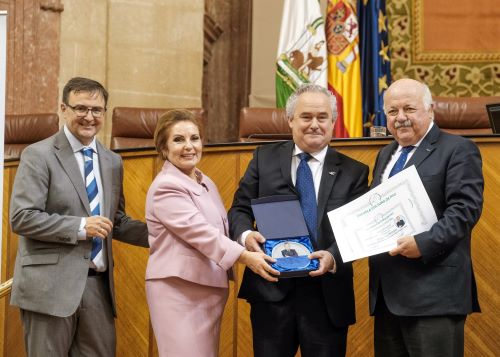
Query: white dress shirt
[397,153]
[77,147]
[316,163]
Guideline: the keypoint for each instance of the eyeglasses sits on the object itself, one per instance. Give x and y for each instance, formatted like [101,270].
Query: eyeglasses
[82,110]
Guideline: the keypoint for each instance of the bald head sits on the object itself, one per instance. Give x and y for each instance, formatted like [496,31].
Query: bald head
[420,89]
[409,110]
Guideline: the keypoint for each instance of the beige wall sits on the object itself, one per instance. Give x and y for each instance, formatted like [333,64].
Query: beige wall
[146,53]
[265,35]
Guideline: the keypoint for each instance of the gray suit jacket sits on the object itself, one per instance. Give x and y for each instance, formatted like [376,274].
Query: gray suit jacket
[47,204]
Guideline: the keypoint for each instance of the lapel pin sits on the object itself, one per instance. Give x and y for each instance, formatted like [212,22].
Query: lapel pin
[332,173]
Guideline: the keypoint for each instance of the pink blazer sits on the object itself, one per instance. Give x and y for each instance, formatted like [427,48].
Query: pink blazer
[187,226]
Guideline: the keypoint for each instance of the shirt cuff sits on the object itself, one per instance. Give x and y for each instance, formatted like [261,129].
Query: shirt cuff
[82,232]
[243,237]
[334,270]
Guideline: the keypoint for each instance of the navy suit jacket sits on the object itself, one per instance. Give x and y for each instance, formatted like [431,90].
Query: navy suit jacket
[441,282]
[343,179]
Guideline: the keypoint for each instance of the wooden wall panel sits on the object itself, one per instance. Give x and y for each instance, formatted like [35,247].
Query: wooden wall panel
[482,329]
[12,334]
[359,339]
[227,341]
[225,165]
[132,325]
[244,160]
[479,328]
[222,169]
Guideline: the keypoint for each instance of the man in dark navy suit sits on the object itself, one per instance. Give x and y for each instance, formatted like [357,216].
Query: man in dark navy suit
[421,292]
[315,311]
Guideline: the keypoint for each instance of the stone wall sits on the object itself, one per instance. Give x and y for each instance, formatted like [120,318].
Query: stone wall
[146,53]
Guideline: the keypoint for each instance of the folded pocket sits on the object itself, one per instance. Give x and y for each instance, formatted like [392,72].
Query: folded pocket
[39,259]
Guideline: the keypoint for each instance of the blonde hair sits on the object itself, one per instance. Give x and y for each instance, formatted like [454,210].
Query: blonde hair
[166,121]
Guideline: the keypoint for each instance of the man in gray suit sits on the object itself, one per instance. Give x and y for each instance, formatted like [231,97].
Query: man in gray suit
[67,203]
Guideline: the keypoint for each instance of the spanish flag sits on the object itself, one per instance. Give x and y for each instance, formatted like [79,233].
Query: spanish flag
[344,76]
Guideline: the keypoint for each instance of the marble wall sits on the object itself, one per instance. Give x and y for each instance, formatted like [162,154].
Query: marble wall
[33,28]
[146,53]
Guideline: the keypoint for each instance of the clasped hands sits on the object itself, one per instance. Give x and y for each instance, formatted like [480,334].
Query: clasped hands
[253,243]
[98,226]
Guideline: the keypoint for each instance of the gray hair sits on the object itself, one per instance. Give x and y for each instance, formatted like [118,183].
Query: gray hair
[427,97]
[291,103]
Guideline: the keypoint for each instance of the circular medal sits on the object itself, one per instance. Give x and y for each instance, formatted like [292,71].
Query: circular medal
[291,255]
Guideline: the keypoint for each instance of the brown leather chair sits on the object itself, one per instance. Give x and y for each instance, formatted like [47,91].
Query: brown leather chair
[135,127]
[459,115]
[463,115]
[260,124]
[22,130]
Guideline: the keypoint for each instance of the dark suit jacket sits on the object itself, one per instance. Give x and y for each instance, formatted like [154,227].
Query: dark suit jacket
[441,282]
[47,203]
[268,174]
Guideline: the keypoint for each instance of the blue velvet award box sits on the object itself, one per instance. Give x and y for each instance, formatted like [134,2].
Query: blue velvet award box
[280,220]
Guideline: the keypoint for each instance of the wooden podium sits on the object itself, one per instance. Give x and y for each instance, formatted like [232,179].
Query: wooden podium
[225,164]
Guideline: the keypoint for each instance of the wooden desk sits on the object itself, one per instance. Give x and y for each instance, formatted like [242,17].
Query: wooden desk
[225,164]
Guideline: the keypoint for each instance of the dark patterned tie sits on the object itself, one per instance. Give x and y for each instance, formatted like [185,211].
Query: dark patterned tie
[400,163]
[91,187]
[307,195]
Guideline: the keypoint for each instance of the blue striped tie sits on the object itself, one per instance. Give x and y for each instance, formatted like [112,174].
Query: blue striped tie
[307,194]
[401,161]
[92,194]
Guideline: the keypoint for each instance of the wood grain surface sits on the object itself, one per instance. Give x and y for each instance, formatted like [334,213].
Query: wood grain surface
[225,165]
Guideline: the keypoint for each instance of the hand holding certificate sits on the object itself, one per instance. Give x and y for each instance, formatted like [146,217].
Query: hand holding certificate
[372,223]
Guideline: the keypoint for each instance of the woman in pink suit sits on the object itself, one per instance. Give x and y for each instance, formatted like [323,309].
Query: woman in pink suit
[190,253]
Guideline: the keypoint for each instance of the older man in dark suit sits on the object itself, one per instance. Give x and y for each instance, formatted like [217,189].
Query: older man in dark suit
[315,311]
[67,203]
[421,292]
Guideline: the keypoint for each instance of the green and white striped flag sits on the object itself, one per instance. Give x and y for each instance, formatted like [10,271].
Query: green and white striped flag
[301,49]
